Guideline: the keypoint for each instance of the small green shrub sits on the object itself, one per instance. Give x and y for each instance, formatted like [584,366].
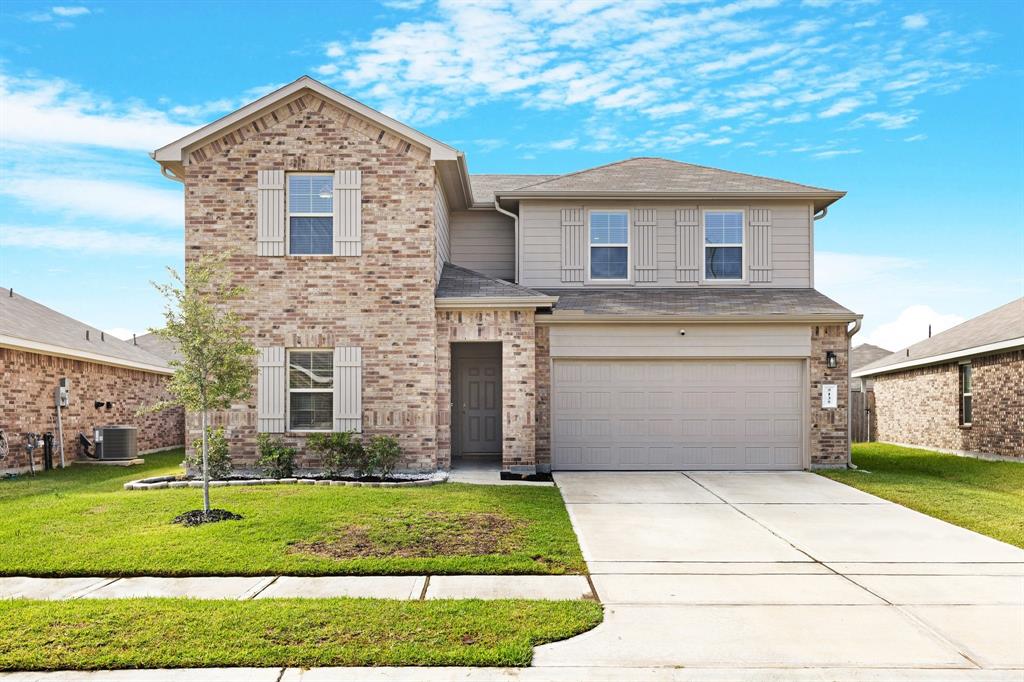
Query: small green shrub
[218,458]
[276,459]
[382,454]
[338,452]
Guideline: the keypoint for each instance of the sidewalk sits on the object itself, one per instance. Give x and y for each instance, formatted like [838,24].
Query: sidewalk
[381,587]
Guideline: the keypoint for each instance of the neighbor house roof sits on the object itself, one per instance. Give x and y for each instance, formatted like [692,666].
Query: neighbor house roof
[657,177]
[159,346]
[459,286]
[865,354]
[27,325]
[996,330]
[699,303]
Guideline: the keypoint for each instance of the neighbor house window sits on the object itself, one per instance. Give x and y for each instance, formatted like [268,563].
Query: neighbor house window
[310,390]
[966,408]
[310,214]
[723,245]
[609,245]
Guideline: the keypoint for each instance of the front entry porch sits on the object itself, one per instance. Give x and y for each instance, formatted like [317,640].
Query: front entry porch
[476,403]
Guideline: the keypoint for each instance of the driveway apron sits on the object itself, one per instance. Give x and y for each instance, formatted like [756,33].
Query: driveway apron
[784,570]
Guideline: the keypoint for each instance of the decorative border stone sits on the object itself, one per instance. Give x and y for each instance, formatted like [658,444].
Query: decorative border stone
[162,482]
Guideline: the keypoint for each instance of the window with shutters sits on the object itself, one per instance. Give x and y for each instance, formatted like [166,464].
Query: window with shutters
[723,245]
[310,390]
[609,245]
[310,214]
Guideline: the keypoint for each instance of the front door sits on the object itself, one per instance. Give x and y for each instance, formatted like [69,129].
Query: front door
[479,406]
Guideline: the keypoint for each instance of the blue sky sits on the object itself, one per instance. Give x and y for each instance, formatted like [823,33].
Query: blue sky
[914,108]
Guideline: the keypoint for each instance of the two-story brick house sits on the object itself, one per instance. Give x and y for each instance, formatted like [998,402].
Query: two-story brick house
[647,314]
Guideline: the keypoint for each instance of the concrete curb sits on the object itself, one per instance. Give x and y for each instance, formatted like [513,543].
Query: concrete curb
[163,482]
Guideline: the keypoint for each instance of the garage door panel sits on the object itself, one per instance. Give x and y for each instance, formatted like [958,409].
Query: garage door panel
[677,414]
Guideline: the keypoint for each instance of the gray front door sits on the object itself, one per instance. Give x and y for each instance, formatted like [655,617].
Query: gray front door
[479,406]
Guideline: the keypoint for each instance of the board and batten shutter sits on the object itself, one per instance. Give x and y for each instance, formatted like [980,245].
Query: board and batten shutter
[271,390]
[688,245]
[270,213]
[645,221]
[348,389]
[573,244]
[760,245]
[348,213]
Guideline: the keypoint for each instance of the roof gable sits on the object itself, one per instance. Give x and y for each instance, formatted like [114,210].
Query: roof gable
[176,152]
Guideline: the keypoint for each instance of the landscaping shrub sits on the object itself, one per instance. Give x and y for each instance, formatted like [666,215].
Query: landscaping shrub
[276,459]
[338,452]
[218,458]
[382,454]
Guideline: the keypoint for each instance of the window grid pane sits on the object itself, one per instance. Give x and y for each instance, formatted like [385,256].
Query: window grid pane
[310,194]
[311,411]
[609,228]
[310,236]
[609,262]
[723,227]
[723,262]
[311,369]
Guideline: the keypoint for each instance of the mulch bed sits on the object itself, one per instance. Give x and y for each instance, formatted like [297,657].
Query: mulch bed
[197,517]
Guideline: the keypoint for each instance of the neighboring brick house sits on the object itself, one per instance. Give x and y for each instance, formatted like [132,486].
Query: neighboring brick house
[647,314]
[110,380]
[961,390]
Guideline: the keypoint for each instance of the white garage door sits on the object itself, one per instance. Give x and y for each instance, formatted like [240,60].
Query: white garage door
[677,414]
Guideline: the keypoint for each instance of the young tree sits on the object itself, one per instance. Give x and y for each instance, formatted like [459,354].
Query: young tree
[216,365]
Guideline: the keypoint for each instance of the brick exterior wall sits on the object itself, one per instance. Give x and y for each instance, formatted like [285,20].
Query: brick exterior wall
[382,301]
[830,445]
[922,406]
[27,404]
[543,354]
[516,331]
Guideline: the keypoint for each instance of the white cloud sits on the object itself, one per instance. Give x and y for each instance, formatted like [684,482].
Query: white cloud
[110,199]
[913,22]
[886,120]
[916,138]
[842,106]
[70,11]
[832,153]
[327,69]
[91,241]
[334,50]
[911,326]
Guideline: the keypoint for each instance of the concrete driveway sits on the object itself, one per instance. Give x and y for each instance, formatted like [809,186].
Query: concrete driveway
[785,570]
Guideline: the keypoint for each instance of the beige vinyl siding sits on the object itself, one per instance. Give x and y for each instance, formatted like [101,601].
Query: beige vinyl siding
[484,241]
[791,242]
[441,222]
[665,341]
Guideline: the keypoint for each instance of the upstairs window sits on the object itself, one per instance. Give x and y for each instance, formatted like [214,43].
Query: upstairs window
[609,245]
[723,245]
[310,390]
[965,395]
[310,214]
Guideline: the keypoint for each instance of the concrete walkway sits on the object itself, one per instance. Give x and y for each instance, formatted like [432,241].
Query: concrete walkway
[381,587]
[738,571]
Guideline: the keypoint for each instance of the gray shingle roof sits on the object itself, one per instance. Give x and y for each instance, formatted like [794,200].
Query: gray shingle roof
[158,345]
[865,354]
[23,318]
[485,185]
[698,302]
[664,176]
[458,282]
[1002,324]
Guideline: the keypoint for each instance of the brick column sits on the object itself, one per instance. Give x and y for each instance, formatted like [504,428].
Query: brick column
[830,444]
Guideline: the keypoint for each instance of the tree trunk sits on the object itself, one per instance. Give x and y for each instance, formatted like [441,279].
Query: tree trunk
[206,470]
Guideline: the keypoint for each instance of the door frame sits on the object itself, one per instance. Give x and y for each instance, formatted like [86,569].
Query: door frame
[461,350]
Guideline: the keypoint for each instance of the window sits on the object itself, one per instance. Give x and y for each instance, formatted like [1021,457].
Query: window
[965,395]
[723,245]
[609,245]
[310,214]
[310,390]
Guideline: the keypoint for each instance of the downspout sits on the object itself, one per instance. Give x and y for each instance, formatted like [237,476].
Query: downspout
[818,216]
[515,234]
[849,388]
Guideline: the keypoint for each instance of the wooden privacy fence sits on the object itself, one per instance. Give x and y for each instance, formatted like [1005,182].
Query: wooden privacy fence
[862,415]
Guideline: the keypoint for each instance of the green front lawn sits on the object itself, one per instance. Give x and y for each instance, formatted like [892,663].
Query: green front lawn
[80,521]
[987,497]
[176,633]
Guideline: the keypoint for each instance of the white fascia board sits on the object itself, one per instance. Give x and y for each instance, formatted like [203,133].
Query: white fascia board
[516,302]
[74,354]
[174,152]
[1009,344]
[581,318]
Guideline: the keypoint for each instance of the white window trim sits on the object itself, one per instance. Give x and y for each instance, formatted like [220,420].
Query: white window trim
[289,390]
[960,390]
[629,246]
[289,215]
[718,281]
